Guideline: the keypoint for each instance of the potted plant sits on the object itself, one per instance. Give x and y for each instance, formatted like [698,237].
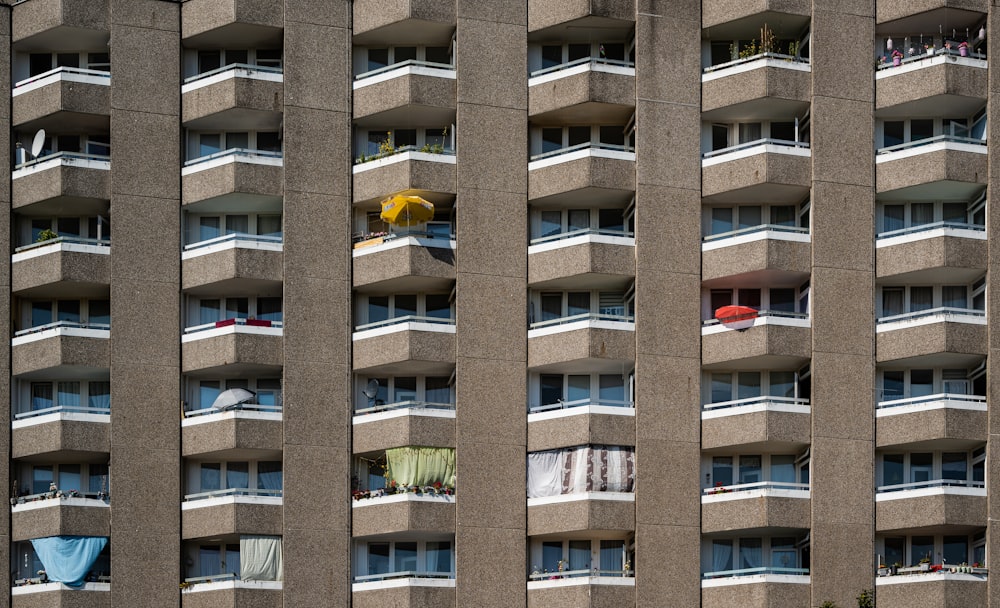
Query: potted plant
[46,235]
[897,57]
[963,48]
[925,563]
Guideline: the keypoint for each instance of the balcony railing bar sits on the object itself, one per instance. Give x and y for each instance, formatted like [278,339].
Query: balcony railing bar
[583,61]
[587,316]
[406,319]
[937,53]
[401,149]
[752,229]
[931,226]
[232,492]
[930,312]
[65,239]
[242,407]
[234,152]
[755,572]
[763,399]
[545,576]
[64,70]
[957,139]
[581,232]
[213,578]
[423,234]
[403,405]
[764,313]
[237,321]
[755,143]
[760,485]
[931,483]
[104,496]
[233,67]
[64,409]
[742,60]
[403,64]
[402,574]
[66,156]
[930,399]
[238,236]
[583,146]
[59,324]
[564,405]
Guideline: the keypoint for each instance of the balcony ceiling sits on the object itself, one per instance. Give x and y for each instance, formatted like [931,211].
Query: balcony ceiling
[236,454]
[934,276]
[761,279]
[67,372]
[237,35]
[64,456]
[758,363]
[66,123]
[765,108]
[409,116]
[776,194]
[782,24]
[409,283]
[933,22]
[236,370]
[64,38]
[408,32]
[237,202]
[586,29]
[66,205]
[586,366]
[237,287]
[932,107]
[590,113]
[943,190]
[765,531]
[943,360]
[237,119]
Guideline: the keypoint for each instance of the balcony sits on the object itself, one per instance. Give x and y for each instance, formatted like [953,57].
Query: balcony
[234,97]
[72,513]
[414,344]
[402,22]
[61,268]
[936,335]
[765,86]
[63,100]
[410,589]
[776,340]
[587,90]
[771,170]
[61,433]
[409,170]
[959,419]
[46,595]
[233,511]
[935,167]
[766,504]
[940,502]
[210,432]
[431,511]
[230,24]
[82,347]
[757,423]
[582,588]
[939,252]
[601,340]
[943,589]
[580,422]
[379,427]
[409,261]
[563,14]
[411,92]
[233,263]
[756,588]
[236,171]
[249,347]
[601,174]
[767,247]
[42,25]
[591,258]
[922,84]
[589,512]
[220,591]
[63,180]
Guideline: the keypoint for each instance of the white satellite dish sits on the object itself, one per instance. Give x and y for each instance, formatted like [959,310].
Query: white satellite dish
[37,143]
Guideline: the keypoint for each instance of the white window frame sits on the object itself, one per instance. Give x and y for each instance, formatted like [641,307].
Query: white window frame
[193,470]
[361,554]
[363,305]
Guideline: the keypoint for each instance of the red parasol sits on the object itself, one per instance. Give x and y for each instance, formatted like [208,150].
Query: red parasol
[736,317]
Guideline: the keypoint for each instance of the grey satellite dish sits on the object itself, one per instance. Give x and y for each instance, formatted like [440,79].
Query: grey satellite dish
[371,391]
[37,143]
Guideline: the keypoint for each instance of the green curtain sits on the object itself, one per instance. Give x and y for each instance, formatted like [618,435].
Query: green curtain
[420,466]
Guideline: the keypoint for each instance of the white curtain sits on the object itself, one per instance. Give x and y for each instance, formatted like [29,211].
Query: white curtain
[722,554]
[581,469]
[260,558]
[544,473]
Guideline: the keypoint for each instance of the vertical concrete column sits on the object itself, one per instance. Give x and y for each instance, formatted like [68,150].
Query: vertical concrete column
[842,295]
[667,288]
[5,193]
[993,312]
[491,341]
[317,273]
[145,322]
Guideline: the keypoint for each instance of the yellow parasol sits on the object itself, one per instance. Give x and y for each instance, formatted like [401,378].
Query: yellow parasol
[402,210]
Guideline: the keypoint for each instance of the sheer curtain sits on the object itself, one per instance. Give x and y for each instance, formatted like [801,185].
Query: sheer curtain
[722,555]
[544,473]
[751,555]
[420,466]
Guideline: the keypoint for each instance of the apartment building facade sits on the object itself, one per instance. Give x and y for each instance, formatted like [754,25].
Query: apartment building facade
[699,308]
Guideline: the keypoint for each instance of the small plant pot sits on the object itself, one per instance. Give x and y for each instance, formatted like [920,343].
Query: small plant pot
[896,61]
[925,567]
[963,51]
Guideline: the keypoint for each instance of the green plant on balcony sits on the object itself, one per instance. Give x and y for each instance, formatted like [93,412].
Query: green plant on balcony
[866,599]
[828,604]
[46,235]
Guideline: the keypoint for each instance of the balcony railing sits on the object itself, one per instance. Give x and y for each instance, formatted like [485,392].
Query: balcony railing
[931,226]
[927,568]
[550,576]
[404,405]
[101,74]
[60,494]
[564,405]
[749,401]
[944,311]
[62,324]
[582,232]
[239,236]
[760,485]
[370,578]
[774,314]
[64,409]
[70,156]
[941,52]
[237,322]
[250,70]
[213,578]
[426,149]
[246,152]
[759,142]
[752,58]
[242,407]
[753,229]
[968,399]
[587,316]
[403,233]
[583,146]
[232,492]
[403,64]
[74,240]
[755,572]
[955,139]
[931,483]
[591,61]
[406,319]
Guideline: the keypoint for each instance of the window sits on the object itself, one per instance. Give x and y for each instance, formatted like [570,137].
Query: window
[389,557]
[211,310]
[726,135]
[723,387]
[547,56]
[548,223]
[239,478]
[899,132]
[206,144]
[82,478]
[403,307]
[82,312]
[552,139]
[201,394]
[757,470]
[42,395]
[755,555]
[378,58]
[406,390]
[913,470]
[580,305]
[386,142]
[898,300]
[200,228]
[775,299]
[555,391]
[580,557]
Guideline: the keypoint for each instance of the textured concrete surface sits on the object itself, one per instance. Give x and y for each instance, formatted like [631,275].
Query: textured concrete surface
[773,428]
[233,178]
[546,13]
[402,431]
[578,344]
[213,439]
[232,598]
[932,594]
[404,597]
[567,266]
[754,513]
[69,184]
[931,425]
[62,274]
[60,519]
[71,438]
[228,270]
[229,349]
[404,94]
[735,348]
[755,256]
[411,517]
[930,511]
[380,269]
[576,98]
[376,184]
[581,516]
[233,518]
[74,98]
[597,173]
[943,337]
[582,596]
[60,350]
[927,254]
[922,169]
[758,595]
[581,429]
[788,89]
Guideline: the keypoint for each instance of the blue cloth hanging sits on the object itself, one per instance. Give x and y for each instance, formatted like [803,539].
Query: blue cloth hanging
[67,559]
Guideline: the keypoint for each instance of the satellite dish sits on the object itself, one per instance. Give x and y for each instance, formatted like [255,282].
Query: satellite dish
[37,143]
[371,390]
